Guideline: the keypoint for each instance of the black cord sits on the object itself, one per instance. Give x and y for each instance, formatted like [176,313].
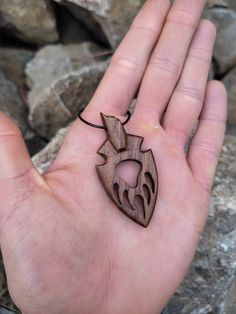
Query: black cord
[101,126]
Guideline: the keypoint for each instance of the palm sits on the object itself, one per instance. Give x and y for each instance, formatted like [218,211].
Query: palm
[77,239]
[64,240]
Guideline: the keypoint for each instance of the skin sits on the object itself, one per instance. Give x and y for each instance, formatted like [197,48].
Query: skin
[66,247]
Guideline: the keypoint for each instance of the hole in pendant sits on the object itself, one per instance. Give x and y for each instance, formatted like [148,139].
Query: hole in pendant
[129,171]
[147,193]
[139,205]
[116,192]
[150,181]
[126,201]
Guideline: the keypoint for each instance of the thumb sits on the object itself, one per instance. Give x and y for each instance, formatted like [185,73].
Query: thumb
[15,161]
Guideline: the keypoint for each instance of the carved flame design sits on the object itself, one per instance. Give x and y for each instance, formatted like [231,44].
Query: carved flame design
[137,203]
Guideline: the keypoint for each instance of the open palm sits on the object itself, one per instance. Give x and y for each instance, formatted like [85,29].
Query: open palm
[66,247]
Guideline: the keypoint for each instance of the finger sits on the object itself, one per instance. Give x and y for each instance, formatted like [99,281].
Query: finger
[121,80]
[167,60]
[123,76]
[16,165]
[18,175]
[207,142]
[187,100]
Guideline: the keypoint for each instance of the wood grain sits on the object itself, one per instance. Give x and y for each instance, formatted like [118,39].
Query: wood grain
[137,203]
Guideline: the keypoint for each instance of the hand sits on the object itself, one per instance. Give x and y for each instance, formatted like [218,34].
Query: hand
[66,246]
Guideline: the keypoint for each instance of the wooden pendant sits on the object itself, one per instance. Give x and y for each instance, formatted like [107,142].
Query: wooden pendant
[137,203]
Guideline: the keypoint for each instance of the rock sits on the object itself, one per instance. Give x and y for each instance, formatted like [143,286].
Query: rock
[45,158]
[5,311]
[70,58]
[225,47]
[211,74]
[61,102]
[230,83]
[232,4]
[59,92]
[114,17]
[217,3]
[210,286]
[32,21]
[13,63]
[11,103]
[34,142]
[5,297]
[71,31]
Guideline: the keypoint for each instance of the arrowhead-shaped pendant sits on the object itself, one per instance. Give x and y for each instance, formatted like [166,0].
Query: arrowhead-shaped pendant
[137,203]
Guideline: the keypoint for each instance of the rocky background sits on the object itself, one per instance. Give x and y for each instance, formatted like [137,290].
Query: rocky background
[53,54]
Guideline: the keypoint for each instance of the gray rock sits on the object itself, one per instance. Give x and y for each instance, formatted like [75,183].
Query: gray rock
[225,47]
[34,142]
[61,102]
[70,77]
[11,103]
[68,81]
[13,63]
[114,17]
[211,74]
[232,4]
[70,29]
[230,83]
[57,61]
[217,3]
[30,20]
[210,285]
[45,157]
[5,311]
[59,92]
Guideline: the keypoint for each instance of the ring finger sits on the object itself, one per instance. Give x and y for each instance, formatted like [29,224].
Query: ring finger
[187,100]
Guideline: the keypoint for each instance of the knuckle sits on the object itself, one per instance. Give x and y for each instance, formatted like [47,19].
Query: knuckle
[140,26]
[182,17]
[177,133]
[191,92]
[126,64]
[7,135]
[166,65]
[208,147]
[201,55]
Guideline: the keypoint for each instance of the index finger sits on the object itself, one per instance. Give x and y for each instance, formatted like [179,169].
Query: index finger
[125,72]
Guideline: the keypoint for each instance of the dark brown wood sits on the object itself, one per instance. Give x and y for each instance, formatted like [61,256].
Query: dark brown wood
[137,203]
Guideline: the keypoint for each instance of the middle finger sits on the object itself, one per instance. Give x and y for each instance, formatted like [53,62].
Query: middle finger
[168,58]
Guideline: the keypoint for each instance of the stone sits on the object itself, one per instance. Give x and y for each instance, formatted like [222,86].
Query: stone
[217,3]
[71,31]
[211,74]
[45,157]
[31,21]
[232,4]
[61,102]
[5,311]
[34,142]
[230,83]
[13,62]
[70,77]
[210,285]
[11,103]
[6,304]
[69,57]
[225,47]
[58,92]
[114,17]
